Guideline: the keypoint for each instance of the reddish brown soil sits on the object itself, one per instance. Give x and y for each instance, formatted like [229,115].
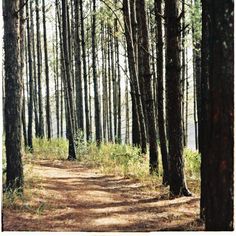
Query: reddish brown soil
[72,197]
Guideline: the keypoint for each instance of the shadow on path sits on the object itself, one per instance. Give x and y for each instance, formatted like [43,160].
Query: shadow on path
[76,198]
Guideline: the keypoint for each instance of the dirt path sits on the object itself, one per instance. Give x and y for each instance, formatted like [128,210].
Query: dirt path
[76,198]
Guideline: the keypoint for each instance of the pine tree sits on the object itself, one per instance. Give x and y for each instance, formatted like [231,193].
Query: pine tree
[13,97]
[175,132]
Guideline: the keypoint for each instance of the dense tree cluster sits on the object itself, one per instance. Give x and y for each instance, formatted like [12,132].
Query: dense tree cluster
[121,72]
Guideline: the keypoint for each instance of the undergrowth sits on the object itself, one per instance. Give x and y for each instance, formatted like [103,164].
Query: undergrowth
[55,149]
[128,161]
[115,159]
[30,199]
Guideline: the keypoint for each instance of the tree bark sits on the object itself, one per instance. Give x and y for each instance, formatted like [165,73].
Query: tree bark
[104,82]
[78,70]
[86,103]
[183,74]
[57,77]
[118,82]
[110,124]
[95,81]
[67,83]
[22,61]
[13,93]
[48,108]
[159,92]
[219,156]
[128,12]
[127,115]
[177,178]
[39,72]
[35,98]
[147,82]
[204,97]
[30,104]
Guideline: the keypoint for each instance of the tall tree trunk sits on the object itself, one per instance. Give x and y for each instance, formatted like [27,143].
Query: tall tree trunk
[67,83]
[86,103]
[159,92]
[186,100]
[89,90]
[177,178]
[96,98]
[22,64]
[39,72]
[203,113]
[128,11]
[48,108]
[30,104]
[127,139]
[183,70]
[113,77]
[57,77]
[62,110]
[104,82]
[147,82]
[13,92]
[24,118]
[78,70]
[196,73]
[196,40]
[118,88]
[110,136]
[218,157]
[62,65]
[35,98]
[70,64]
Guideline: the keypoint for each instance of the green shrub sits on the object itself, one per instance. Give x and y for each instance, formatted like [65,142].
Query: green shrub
[81,145]
[127,160]
[49,149]
[111,158]
[117,159]
[192,163]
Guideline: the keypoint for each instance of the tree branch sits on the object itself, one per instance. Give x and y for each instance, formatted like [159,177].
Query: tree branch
[21,7]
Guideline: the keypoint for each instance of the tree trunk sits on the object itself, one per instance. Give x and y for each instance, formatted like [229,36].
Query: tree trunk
[203,113]
[113,77]
[39,72]
[147,82]
[118,92]
[127,139]
[196,40]
[35,98]
[96,96]
[78,70]
[62,65]
[128,9]
[86,103]
[177,178]
[48,108]
[13,93]
[30,104]
[183,70]
[104,82]
[218,157]
[186,101]
[159,92]
[110,124]
[57,78]
[67,84]
[22,61]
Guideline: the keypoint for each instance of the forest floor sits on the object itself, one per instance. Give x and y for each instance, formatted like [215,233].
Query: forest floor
[68,196]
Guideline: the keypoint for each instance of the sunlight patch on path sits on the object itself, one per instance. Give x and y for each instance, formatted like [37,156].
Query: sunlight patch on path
[80,199]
